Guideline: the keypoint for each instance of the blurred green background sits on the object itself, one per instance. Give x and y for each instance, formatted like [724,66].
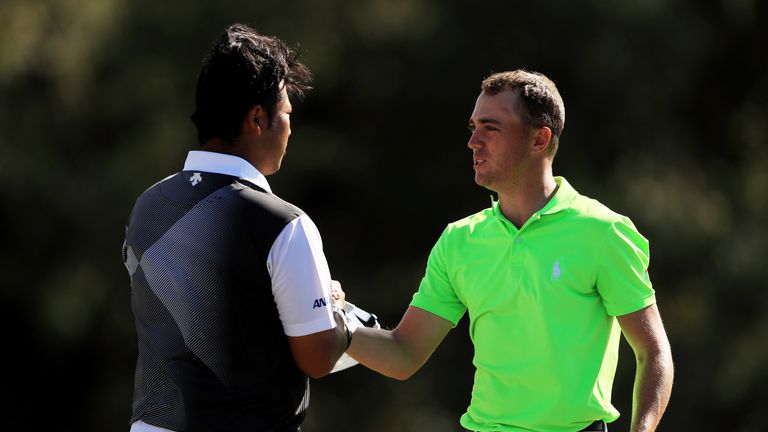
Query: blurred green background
[666,122]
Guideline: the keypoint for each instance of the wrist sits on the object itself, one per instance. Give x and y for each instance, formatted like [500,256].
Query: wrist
[340,316]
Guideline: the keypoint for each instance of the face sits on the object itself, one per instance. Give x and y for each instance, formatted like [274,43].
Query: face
[500,142]
[275,136]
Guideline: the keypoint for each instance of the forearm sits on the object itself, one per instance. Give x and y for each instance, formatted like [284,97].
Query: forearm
[653,386]
[401,352]
[383,351]
[315,354]
[340,343]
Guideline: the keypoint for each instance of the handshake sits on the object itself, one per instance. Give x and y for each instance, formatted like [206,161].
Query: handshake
[354,318]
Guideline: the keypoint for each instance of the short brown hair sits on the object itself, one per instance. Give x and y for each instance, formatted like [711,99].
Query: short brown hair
[540,101]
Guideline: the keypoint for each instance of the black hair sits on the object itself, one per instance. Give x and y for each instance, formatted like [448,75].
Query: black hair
[242,70]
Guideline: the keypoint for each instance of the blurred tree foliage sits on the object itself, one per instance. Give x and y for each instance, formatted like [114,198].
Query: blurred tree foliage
[667,123]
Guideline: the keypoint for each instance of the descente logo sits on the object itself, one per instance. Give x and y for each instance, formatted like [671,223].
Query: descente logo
[320,302]
[195,179]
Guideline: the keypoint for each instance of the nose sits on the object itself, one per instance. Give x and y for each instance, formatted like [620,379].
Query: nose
[474,140]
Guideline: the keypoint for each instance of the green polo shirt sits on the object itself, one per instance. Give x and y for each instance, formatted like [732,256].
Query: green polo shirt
[542,302]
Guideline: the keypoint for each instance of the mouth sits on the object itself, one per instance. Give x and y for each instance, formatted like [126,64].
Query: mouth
[477,162]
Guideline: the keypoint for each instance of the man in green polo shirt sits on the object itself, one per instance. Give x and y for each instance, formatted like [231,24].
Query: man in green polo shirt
[549,278]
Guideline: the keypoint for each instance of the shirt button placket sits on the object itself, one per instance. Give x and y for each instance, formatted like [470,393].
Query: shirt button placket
[516,248]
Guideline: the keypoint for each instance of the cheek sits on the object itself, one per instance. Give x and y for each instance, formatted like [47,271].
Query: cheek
[507,154]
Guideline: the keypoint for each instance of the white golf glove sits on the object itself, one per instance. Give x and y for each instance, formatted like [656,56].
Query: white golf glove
[355,318]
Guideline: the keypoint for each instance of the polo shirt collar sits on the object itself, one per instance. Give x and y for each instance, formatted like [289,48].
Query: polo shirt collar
[562,200]
[220,163]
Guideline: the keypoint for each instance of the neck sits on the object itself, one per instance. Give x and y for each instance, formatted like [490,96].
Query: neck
[218,145]
[519,203]
[235,148]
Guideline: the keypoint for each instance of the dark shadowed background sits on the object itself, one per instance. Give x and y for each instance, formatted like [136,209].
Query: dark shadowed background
[667,115]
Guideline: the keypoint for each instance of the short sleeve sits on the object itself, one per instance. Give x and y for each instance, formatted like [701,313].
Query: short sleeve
[622,270]
[436,293]
[301,280]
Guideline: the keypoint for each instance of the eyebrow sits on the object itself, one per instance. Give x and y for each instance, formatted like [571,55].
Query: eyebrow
[486,121]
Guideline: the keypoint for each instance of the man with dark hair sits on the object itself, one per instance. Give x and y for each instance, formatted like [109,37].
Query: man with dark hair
[549,278]
[231,292]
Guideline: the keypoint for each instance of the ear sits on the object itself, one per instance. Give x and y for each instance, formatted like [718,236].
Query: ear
[255,120]
[541,138]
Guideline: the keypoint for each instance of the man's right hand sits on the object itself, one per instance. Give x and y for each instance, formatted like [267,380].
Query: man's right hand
[337,294]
